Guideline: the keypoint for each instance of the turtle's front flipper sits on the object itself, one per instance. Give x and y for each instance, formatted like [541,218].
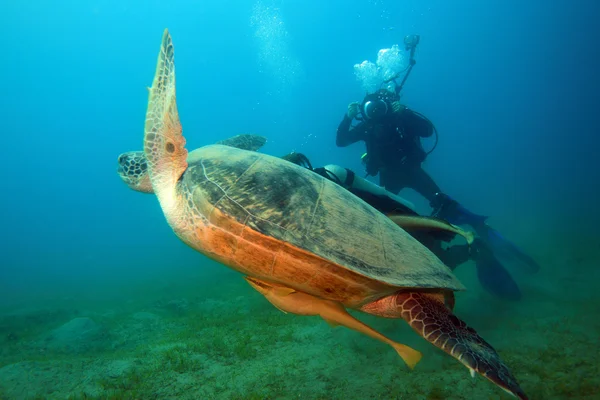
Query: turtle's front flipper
[164,144]
[292,301]
[430,318]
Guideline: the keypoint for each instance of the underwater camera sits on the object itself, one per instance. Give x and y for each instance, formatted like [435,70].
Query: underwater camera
[411,41]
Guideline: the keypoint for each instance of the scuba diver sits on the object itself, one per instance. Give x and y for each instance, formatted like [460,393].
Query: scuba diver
[491,274]
[392,134]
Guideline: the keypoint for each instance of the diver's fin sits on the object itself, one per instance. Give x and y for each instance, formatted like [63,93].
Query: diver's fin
[493,276]
[245,142]
[505,248]
[496,280]
[414,223]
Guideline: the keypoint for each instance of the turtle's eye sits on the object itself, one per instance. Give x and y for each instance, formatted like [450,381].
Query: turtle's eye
[122,159]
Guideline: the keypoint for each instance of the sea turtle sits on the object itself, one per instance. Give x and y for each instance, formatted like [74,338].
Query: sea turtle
[308,245]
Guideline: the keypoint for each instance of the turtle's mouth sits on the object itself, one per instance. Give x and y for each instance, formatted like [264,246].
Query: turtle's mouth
[122,172]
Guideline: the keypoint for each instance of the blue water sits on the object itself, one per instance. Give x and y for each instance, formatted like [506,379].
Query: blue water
[511,86]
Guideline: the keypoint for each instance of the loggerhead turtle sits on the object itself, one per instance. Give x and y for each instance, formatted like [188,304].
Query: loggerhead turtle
[308,245]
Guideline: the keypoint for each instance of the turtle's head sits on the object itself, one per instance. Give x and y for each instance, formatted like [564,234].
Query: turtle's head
[133,170]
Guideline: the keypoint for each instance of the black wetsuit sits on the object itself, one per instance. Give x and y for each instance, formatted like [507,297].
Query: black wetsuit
[394,150]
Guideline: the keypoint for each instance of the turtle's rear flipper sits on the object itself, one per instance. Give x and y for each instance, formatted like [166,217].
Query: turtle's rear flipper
[429,317]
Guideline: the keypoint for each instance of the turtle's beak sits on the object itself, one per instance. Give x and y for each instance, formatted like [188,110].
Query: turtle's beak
[260,286]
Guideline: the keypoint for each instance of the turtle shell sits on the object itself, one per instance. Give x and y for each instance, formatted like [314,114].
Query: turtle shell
[291,204]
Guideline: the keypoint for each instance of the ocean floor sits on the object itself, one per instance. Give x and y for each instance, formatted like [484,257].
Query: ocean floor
[219,339]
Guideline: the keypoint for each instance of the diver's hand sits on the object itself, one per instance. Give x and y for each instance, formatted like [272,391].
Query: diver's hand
[397,107]
[353,109]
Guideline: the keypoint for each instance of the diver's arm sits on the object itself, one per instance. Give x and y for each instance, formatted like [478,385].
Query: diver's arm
[345,135]
[416,124]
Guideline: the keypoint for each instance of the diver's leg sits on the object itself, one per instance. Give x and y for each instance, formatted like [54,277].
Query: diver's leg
[487,246]
[447,208]
[492,275]
[455,255]
[421,181]
[452,256]
[393,179]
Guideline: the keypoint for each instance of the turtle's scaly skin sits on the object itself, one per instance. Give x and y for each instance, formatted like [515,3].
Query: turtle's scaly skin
[133,170]
[430,318]
[133,166]
[281,223]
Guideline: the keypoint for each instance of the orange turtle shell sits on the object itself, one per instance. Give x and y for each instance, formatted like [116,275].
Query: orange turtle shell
[274,220]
